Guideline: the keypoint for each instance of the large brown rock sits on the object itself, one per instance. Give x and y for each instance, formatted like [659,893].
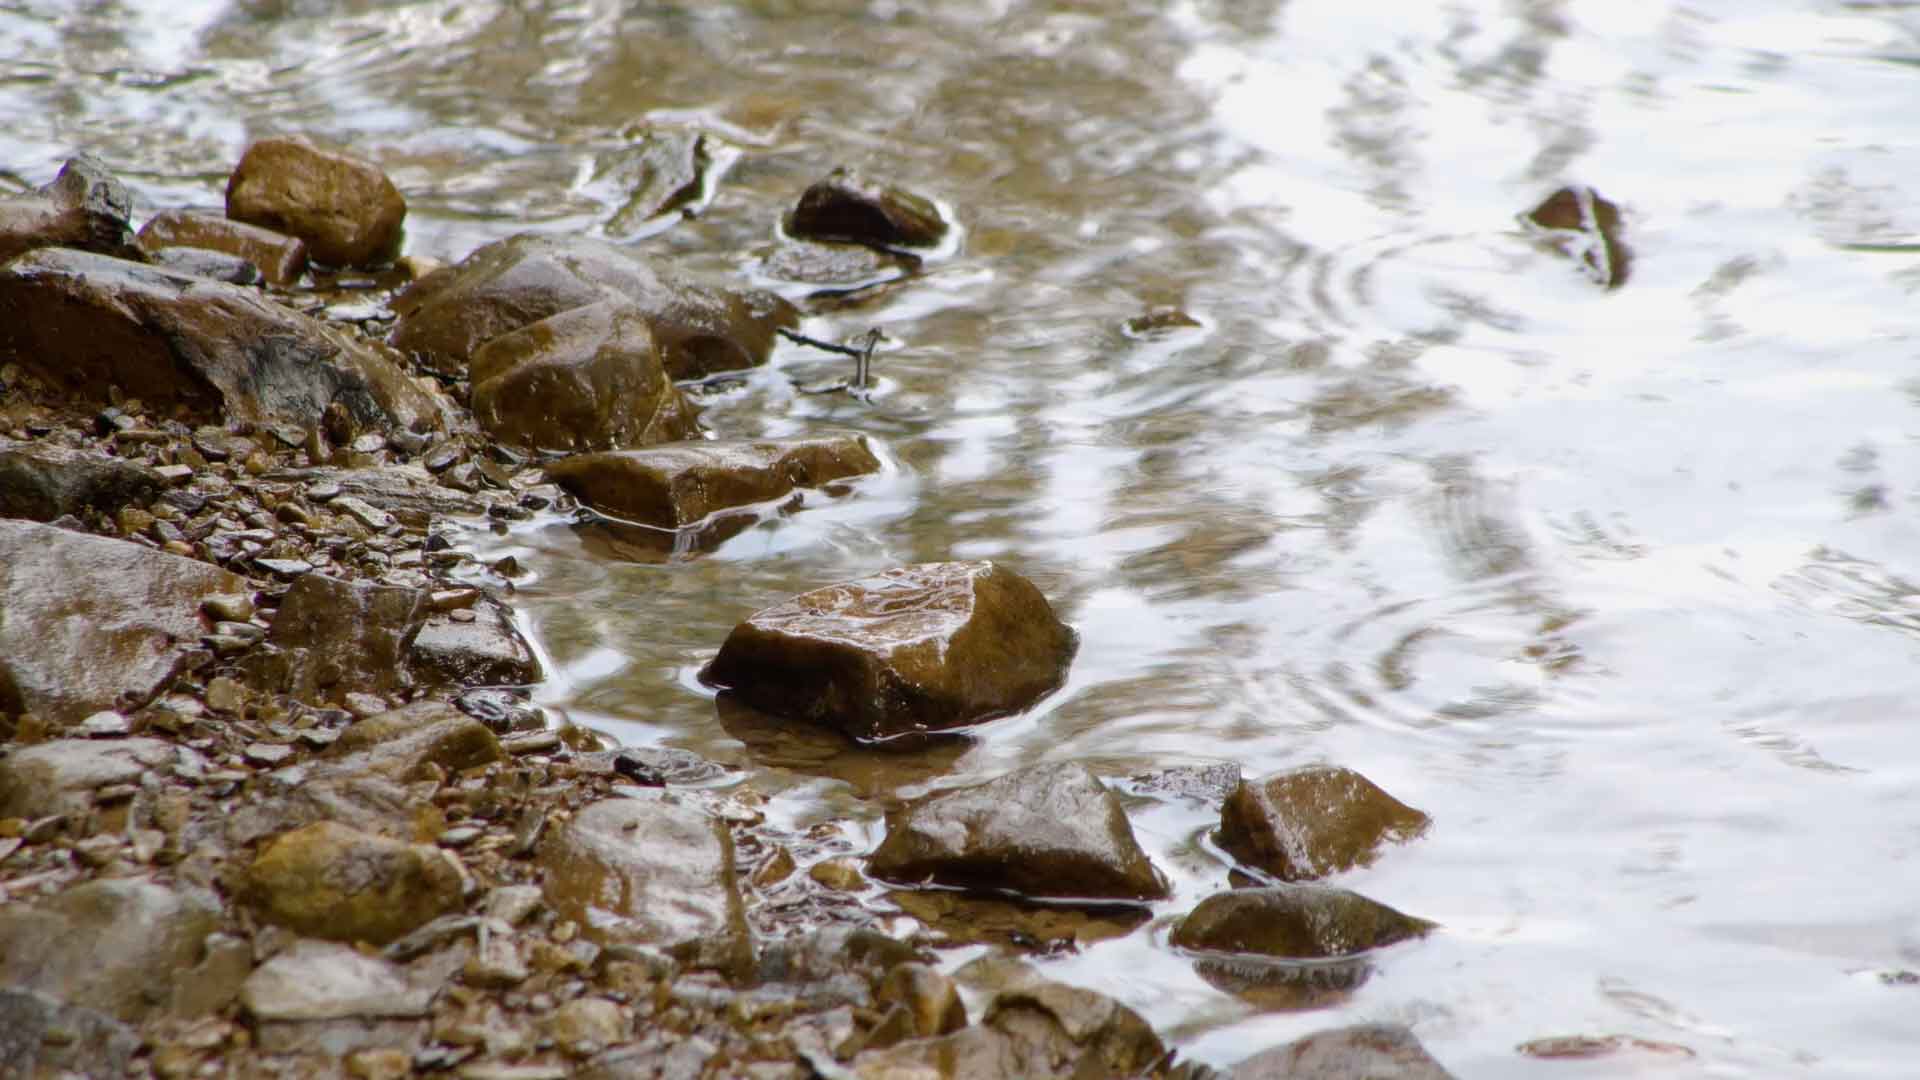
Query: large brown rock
[280,258]
[485,652]
[915,649]
[88,623]
[1294,922]
[680,484]
[1312,822]
[60,776]
[333,882]
[332,637]
[119,945]
[448,315]
[1372,1051]
[84,207]
[344,208]
[585,379]
[208,350]
[43,482]
[859,209]
[1049,831]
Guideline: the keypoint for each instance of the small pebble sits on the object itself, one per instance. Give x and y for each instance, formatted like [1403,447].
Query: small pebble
[106,724]
[268,755]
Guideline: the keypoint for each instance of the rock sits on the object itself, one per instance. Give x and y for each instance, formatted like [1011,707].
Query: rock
[280,258]
[203,349]
[1577,222]
[83,207]
[1311,822]
[1160,322]
[1294,922]
[840,266]
[88,623]
[408,492]
[831,951]
[651,869]
[119,945]
[331,999]
[930,998]
[337,637]
[447,316]
[1205,784]
[1051,831]
[916,649]
[585,1026]
[956,918]
[589,378]
[333,882]
[401,744]
[345,209]
[202,262]
[42,482]
[488,651]
[680,484]
[663,170]
[60,777]
[851,207]
[40,1036]
[1373,1051]
[373,804]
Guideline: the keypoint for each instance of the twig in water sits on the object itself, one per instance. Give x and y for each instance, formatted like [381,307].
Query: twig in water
[862,356]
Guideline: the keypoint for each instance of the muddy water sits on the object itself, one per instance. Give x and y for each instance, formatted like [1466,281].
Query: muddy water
[1614,584]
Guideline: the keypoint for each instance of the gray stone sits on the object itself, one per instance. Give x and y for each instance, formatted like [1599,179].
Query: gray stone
[488,651]
[40,1036]
[335,637]
[83,207]
[60,777]
[42,482]
[118,945]
[1369,1051]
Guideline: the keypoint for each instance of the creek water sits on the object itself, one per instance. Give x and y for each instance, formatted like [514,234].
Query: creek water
[1617,585]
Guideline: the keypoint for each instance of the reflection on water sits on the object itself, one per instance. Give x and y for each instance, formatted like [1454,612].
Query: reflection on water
[1614,584]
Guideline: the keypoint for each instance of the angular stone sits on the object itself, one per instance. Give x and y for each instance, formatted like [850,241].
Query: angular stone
[680,484]
[930,998]
[448,315]
[840,266]
[915,649]
[204,349]
[60,777]
[1580,224]
[408,492]
[88,623]
[369,803]
[280,258]
[1374,1051]
[858,209]
[41,1036]
[585,1026]
[1048,831]
[400,744]
[651,869]
[344,208]
[202,262]
[115,944]
[1311,822]
[317,980]
[585,379]
[83,207]
[488,651]
[42,482]
[661,171]
[329,881]
[341,637]
[1294,922]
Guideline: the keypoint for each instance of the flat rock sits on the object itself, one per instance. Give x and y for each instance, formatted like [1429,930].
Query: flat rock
[400,744]
[41,482]
[859,209]
[88,623]
[344,208]
[1049,831]
[334,637]
[915,649]
[83,207]
[1373,1051]
[317,980]
[279,258]
[206,263]
[60,777]
[333,882]
[446,316]
[118,945]
[662,170]
[369,803]
[204,349]
[681,484]
[1311,822]
[41,1036]
[1294,922]
[409,492]
[488,651]
[589,378]
[840,266]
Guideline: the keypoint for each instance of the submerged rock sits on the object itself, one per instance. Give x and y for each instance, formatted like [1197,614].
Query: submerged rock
[202,348]
[1295,922]
[1373,1051]
[42,482]
[859,209]
[1311,822]
[916,649]
[676,485]
[60,777]
[330,881]
[88,623]
[84,207]
[344,208]
[447,316]
[1051,831]
[280,258]
[841,266]
[589,378]
[119,945]
[662,170]
[333,637]
[1577,222]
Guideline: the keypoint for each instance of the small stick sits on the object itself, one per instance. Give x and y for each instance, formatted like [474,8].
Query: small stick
[862,357]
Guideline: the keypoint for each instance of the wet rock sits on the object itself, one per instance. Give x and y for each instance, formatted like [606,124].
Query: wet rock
[1577,222]
[83,207]
[488,651]
[1311,822]
[42,482]
[88,623]
[1294,921]
[1590,1047]
[119,945]
[1201,783]
[1374,1051]
[329,881]
[585,1026]
[408,492]
[661,171]
[841,266]
[851,207]
[915,649]
[585,379]
[1046,831]
[677,485]
[345,209]
[930,998]
[334,637]
[403,743]
[1160,322]
[60,777]
[955,918]
[201,262]
[373,804]
[202,348]
[651,869]
[447,316]
[280,258]
[41,1036]
[326,998]
[822,954]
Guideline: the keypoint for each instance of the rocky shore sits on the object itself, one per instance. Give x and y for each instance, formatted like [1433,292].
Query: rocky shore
[272,798]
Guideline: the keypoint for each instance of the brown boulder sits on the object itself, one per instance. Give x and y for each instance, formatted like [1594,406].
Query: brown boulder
[84,207]
[676,485]
[1311,822]
[914,649]
[446,316]
[859,209]
[333,882]
[281,259]
[1294,922]
[485,652]
[1373,1051]
[43,482]
[585,379]
[209,350]
[345,209]
[332,637]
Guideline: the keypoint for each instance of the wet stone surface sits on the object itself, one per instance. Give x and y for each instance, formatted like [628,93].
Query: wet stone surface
[1312,822]
[673,486]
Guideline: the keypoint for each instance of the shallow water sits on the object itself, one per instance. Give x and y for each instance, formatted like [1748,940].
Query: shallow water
[1613,584]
